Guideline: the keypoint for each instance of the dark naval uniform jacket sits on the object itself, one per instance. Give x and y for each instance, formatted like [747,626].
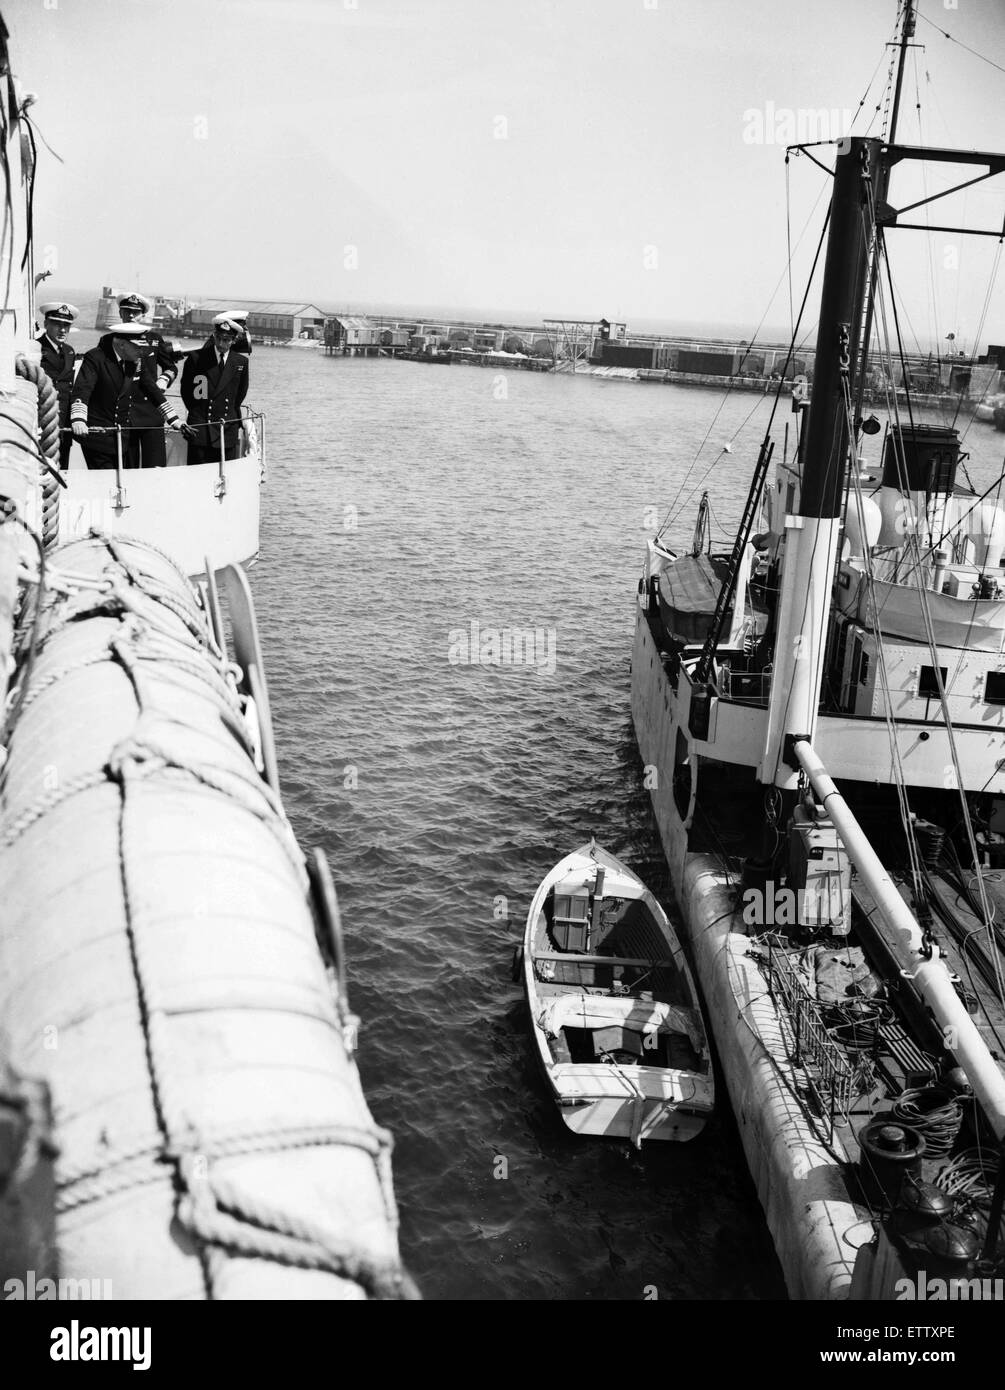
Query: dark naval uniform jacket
[147,420]
[58,361]
[106,394]
[213,398]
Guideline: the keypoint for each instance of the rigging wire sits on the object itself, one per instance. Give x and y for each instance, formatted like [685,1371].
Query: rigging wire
[888,86]
[912,542]
[923,887]
[7,232]
[929,247]
[681,501]
[985,310]
[788,243]
[890,76]
[960,44]
[40,136]
[30,224]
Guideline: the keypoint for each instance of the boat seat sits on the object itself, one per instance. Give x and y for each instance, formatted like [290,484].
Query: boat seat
[555,970]
[570,924]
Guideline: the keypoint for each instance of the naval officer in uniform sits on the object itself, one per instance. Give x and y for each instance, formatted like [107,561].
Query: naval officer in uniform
[113,378]
[58,359]
[214,383]
[146,418]
[238,317]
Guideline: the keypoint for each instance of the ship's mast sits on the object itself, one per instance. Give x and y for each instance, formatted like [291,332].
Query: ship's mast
[812,534]
[861,178]
[882,183]
[859,213]
[906,33]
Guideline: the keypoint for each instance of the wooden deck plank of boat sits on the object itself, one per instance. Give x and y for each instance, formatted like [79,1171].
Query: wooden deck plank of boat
[580,958]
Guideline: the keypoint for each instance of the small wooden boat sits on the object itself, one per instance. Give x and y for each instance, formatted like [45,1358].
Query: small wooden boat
[613,1008]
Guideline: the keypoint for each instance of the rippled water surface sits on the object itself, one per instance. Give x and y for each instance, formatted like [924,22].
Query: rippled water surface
[403,503]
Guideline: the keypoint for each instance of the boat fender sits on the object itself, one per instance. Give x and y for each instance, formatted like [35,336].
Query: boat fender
[516,968]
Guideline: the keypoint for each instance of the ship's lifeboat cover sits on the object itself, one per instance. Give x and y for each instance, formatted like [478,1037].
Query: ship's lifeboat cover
[688,592]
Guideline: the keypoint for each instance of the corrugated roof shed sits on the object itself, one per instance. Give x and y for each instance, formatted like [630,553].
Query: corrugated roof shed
[351,320]
[260,306]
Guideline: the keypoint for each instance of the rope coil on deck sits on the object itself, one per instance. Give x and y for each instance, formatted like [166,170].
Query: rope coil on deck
[934,1113]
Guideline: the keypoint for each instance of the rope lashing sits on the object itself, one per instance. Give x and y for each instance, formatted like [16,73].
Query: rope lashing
[48,424]
[218,1213]
[137,1165]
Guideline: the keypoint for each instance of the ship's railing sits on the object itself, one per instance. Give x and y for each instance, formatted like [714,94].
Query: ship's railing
[744,687]
[251,442]
[830,1076]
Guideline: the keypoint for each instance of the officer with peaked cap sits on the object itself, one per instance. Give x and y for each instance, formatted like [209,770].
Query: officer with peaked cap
[58,359]
[146,417]
[114,377]
[136,306]
[239,318]
[214,383]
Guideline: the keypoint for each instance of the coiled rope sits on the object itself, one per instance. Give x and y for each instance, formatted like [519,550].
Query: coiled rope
[933,1113]
[48,424]
[970,1178]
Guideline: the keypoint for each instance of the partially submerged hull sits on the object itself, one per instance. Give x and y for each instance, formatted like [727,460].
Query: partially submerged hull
[816,1228]
[621,1059]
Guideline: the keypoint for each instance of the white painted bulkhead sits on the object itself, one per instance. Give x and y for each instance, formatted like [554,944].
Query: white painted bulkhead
[183,510]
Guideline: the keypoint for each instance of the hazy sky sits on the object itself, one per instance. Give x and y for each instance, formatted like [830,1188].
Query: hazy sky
[622,158]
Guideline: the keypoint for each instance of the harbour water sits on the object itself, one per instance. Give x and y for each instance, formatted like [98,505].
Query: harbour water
[404,505]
